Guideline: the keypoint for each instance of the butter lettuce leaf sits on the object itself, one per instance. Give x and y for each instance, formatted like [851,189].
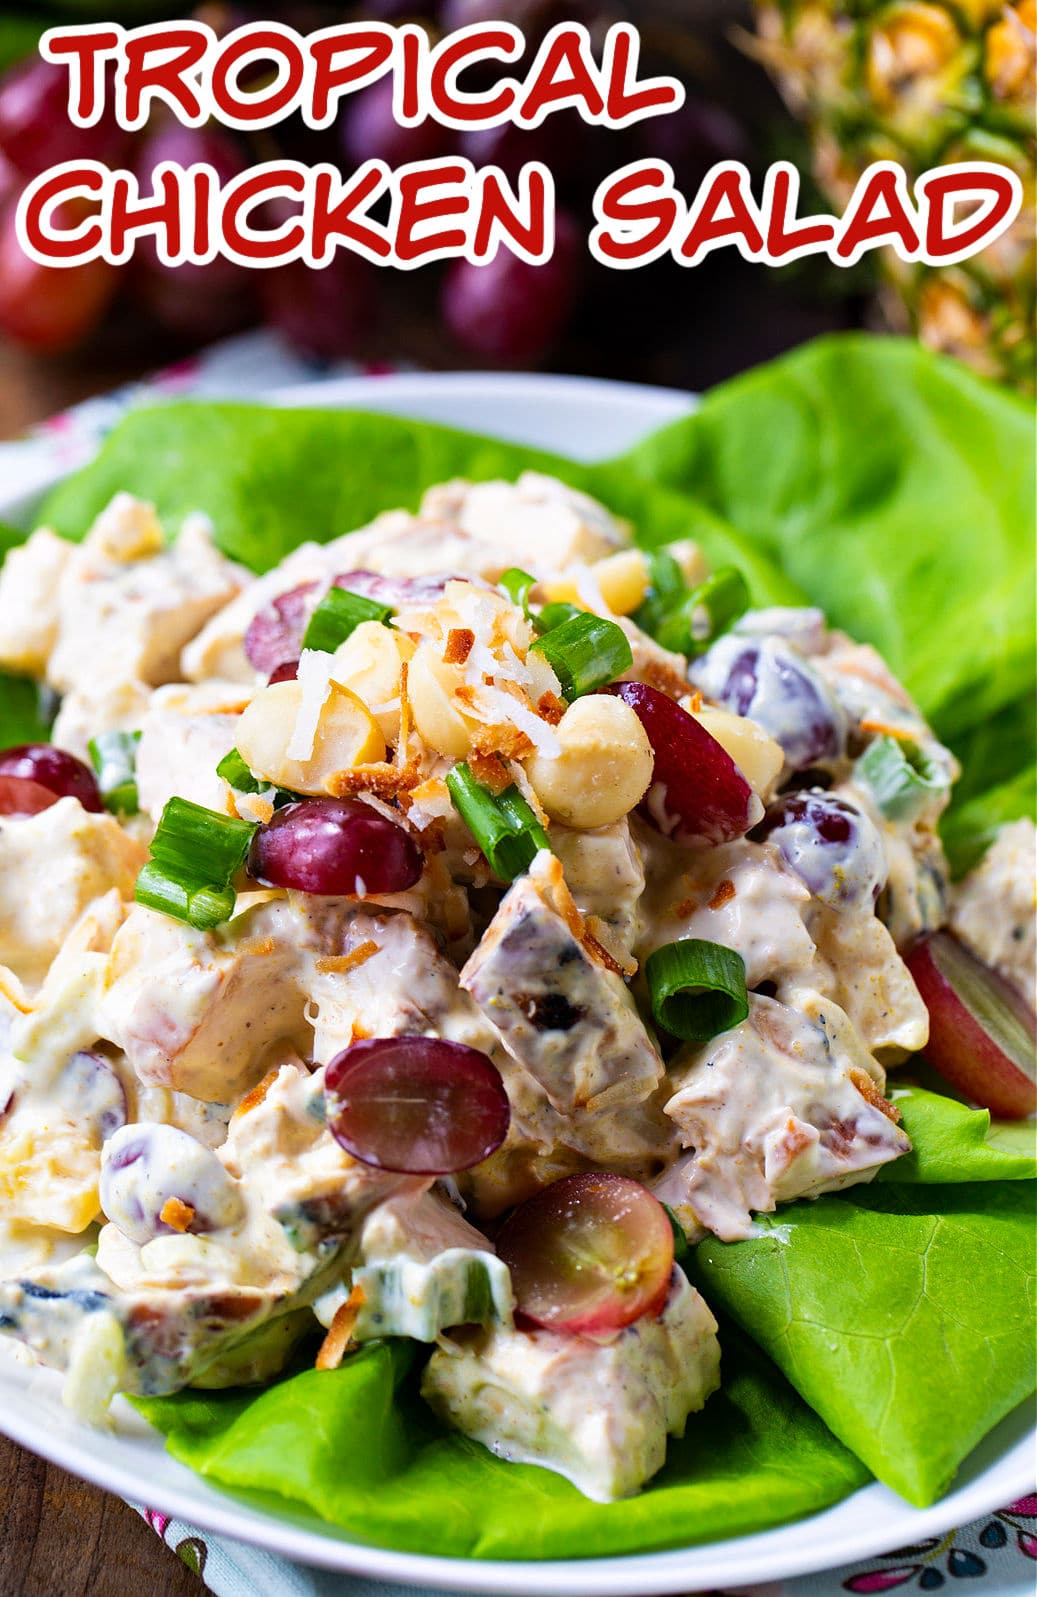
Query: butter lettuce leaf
[951,1142]
[897,489]
[756,1456]
[903,1315]
[271,479]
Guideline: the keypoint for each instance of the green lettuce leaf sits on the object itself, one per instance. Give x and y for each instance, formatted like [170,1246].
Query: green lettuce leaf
[904,1316]
[894,487]
[270,479]
[756,1456]
[953,1143]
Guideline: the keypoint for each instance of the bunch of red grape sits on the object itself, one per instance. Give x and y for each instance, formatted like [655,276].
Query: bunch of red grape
[505,312]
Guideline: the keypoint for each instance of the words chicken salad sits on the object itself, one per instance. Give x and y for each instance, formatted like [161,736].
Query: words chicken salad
[434,936]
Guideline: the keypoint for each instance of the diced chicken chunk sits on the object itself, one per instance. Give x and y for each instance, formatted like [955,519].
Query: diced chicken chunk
[293,1170]
[127,604]
[184,735]
[197,1011]
[422,1269]
[52,866]
[537,523]
[994,909]
[858,966]
[382,975]
[563,1014]
[597,1412]
[740,895]
[99,705]
[29,582]
[53,1122]
[786,1105]
[604,872]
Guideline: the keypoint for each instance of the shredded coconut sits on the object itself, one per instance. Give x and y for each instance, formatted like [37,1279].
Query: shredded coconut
[314,680]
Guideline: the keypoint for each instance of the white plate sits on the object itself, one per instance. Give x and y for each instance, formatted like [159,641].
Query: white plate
[586,420]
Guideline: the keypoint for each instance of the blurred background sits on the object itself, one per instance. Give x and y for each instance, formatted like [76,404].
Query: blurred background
[828,84]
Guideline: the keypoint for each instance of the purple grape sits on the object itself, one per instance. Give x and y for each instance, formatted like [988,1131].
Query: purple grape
[35,129]
[91,1082]
[833,848]
[340,847]
[768,681]
[416,1104]
[275,633]
[146,1167]
[274,636]
[395,591]
[370,132]
[325,313]
[52,768]
[197,302]
[510,311]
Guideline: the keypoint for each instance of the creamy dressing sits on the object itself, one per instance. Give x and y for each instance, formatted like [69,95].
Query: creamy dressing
[173,1207]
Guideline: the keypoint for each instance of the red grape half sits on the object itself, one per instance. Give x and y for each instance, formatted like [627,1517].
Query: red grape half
[698,794]
[61,774]
[416,1104]
[591,1253]
[981,1031]
[333,846]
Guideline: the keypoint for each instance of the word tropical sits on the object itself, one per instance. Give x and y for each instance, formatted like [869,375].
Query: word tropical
[283,211]
[198,76]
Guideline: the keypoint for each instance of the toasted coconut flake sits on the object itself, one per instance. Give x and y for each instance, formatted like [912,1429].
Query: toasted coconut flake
[657,674]
[338,964]
[551,708]
[551,874]
[176,1214]
[488,768]
[725,892]
[253,1099]
[869,1090]
[601,955]
[604,935]
[384,781]
[459,644]
[336,1344]
[315,681]
[502,739]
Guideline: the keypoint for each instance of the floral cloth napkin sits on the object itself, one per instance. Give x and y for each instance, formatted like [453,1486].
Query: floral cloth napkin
[996,1555]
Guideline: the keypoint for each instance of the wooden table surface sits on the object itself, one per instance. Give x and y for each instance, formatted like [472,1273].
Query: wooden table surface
[58,1536]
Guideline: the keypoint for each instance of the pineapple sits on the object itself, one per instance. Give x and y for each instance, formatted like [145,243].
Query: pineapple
[924,83]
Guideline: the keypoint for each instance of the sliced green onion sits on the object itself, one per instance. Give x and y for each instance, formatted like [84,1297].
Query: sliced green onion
[666,587]
[504,827]
[237,775]
[201,844]
[708,611]
[552,615]
[681,1245]
[198,903]
[518,585]
[521,818]
[113,756]
[902,777]
[585,653]
[697,988]
[195,853]
[338,615]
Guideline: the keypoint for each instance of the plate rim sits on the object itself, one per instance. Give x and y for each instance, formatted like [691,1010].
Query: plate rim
[734,1560]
